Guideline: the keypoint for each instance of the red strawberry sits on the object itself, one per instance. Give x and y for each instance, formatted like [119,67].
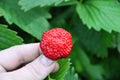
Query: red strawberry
[56,43]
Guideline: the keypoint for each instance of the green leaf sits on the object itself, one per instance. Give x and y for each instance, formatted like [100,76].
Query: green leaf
[111,67]
[100,14]
[0,15]
[49,78]
[95,42]
[26,5]
[75,59]
[71,75]
[69,2]
[117,41]
[8,37]
[64,65]
[33,21]
[94,72]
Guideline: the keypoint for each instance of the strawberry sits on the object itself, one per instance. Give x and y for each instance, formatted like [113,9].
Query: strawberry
[56,43]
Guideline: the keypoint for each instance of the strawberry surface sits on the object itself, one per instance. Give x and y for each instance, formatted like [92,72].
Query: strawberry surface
[56,43]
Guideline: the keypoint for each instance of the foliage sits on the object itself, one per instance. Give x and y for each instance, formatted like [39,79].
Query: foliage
[8,40]
[71,75]
[94,25]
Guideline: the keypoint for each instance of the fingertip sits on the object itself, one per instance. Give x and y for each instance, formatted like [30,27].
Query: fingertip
[46,61]
[56,67]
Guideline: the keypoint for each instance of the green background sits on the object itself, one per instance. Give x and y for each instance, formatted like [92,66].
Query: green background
[94,25]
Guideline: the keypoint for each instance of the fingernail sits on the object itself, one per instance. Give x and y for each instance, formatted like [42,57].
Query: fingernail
[46,61]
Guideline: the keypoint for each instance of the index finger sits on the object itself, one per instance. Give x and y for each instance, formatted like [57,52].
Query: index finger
[12,57]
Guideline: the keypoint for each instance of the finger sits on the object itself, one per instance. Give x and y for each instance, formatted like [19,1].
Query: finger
[36,70]
[2,69]
[56,68]
[12,57]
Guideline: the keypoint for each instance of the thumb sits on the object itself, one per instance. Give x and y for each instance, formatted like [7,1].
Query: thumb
[36,70]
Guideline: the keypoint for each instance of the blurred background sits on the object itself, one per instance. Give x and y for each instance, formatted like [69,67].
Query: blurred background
[94,25]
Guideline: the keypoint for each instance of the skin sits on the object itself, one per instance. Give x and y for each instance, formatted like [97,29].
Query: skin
[28,54]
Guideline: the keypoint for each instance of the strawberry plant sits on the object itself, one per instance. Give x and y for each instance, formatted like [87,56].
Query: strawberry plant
[94,25]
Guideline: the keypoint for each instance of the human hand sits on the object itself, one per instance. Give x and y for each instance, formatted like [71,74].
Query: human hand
[29,54]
